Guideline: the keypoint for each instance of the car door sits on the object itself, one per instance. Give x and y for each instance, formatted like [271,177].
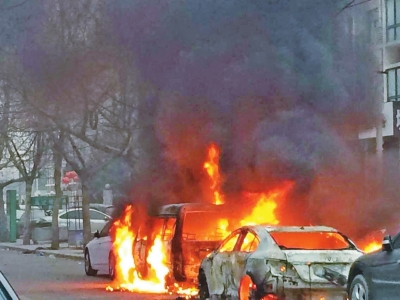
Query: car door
[71,219]
[97,220]
[385,273]
[220,264]
[246,245]
[103,247]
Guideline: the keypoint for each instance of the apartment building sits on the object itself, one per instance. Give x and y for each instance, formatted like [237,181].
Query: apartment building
[382,19]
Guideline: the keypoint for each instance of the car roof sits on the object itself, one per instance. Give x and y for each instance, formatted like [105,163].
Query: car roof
[175,209]
[80,208]
[270,228]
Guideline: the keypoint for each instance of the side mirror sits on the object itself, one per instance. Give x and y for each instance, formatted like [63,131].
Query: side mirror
[107,219]
[387,243]
[97,234]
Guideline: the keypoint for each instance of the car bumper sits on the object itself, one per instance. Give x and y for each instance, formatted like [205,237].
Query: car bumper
[314,295]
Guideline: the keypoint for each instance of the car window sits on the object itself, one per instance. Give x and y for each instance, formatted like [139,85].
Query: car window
[250,242]
[35,215]
[229,244]
[71,215]
[96,215]
[310,240]
[6,290]
[205,226]
[169,229]
[106,230]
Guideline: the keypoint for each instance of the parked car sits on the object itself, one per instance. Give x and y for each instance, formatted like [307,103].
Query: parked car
[189,232]
[6,290]
[186,242]
[376,275]
[74,221]
[98,253]
[279,263]
[104,208]
[36,216]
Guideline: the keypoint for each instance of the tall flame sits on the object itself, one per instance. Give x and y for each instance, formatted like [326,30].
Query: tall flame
[212,167]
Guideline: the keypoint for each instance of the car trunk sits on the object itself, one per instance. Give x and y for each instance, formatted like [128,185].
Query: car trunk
[322,266]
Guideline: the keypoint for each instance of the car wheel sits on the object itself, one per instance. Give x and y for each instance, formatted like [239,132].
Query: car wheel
[246,288]
[359,289]
[88,266]
[203,287]
[111,265]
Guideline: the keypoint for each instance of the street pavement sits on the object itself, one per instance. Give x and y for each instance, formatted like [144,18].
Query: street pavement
[37,277]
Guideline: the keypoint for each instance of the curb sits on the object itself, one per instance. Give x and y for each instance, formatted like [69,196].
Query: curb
[45,252]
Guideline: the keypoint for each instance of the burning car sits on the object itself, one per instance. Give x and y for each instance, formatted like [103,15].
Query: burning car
[277,262]
[188,231]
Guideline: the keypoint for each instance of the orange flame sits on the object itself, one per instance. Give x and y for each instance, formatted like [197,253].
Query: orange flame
[212,167]
[127,277]
[371,247]
[266,203]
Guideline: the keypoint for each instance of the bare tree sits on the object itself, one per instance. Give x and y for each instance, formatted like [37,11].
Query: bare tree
[28,161]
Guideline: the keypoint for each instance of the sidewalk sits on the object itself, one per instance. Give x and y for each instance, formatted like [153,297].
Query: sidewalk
[43,249]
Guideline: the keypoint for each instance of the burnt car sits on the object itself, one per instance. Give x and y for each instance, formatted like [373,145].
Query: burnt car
[376,275]
[276,262]
[189,232]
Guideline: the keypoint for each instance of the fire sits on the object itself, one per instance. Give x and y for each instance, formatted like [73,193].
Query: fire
[127,277]
[373,246]
[266,203]
[212,167]
[372,242]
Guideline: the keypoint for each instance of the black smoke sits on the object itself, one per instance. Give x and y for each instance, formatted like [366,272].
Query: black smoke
[280,86]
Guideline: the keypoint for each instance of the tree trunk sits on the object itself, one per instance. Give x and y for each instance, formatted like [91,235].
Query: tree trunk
[87,232]
[55,239]
[4,237]
[27,221]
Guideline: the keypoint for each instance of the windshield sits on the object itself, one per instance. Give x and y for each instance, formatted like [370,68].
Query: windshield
[204,226]
[318,240]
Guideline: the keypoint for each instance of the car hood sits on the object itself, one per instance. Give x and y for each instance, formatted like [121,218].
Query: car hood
[322,266]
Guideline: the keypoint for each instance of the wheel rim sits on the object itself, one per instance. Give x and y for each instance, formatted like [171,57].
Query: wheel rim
[87,262]
[245,288]
[359,292]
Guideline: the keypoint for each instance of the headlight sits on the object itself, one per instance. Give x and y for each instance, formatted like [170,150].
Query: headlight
[282,268]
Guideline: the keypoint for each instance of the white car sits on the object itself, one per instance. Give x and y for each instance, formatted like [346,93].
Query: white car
[270,262]
[99,255]
[73,219]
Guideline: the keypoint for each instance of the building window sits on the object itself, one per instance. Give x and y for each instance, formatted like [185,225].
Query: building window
[393,84]
[392,20]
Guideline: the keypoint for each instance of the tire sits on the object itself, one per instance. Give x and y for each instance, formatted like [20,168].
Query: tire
[359,289]
[111,265]
[88,266]
[203,286]
[245,288]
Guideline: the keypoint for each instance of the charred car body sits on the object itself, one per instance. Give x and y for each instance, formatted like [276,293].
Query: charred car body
[288,263]
[188,231]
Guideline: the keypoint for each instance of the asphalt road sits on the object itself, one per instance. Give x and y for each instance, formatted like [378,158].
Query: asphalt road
[44,278]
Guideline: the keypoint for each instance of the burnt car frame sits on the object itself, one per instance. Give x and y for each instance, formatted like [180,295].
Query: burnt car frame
[376,275]
[277,262]
[189,232]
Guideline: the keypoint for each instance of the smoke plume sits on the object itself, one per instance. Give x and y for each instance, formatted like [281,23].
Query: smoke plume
[281,86]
